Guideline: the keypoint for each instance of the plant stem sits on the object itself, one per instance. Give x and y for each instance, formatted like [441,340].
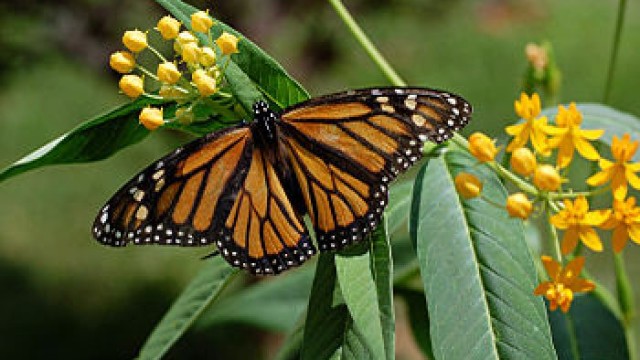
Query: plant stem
[552,232]
[622,5]
[366,43]
[625,301]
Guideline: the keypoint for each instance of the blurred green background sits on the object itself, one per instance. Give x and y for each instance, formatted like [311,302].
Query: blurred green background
[64,296]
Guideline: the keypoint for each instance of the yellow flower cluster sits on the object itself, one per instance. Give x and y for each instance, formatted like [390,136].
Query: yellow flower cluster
[539,151]
[195,72]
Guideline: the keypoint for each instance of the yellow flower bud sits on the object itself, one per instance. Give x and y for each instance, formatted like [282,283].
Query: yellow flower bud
[467,185]
[184,37]
[481,147]
[191,53]
[151,118]
[168,27]
[207,56]
[519,206]
[206,84]
[523,162]
[228,43]
[132,85]
[122,61]
[168,73]
[546,178]
[201,21]
[135,40]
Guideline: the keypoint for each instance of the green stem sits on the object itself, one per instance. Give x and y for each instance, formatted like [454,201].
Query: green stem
[157,53]
[626,301]
[622,4]
[147,72]
[368,46]
[552,232]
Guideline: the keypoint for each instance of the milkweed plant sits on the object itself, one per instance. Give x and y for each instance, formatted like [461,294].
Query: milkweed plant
[487,243]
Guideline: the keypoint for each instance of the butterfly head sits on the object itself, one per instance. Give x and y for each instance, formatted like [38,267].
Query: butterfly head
[260,108]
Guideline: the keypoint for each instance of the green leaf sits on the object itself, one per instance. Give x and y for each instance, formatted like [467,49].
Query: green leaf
[359,292]
[273,304]
[588,331]
[93,140]
[476,269]
[251,72]
[328,318]
[382,270]
[200,293]
[418,318]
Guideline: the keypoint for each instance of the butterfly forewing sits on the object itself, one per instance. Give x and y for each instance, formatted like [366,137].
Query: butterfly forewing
[345,149]
[181,198]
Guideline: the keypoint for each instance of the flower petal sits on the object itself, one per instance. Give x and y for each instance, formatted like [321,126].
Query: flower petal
[599,178]
[586,149]
[565,152]
[569,240]
[582,285]
[514,130]
[543,288]
[619,184]
[596,217]
[633,179]
[552,267]
[572,270]
[590,238]
[591,134]
[634,232]
[619,239]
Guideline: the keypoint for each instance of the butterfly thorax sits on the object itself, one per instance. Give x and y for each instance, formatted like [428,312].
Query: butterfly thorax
[263,128]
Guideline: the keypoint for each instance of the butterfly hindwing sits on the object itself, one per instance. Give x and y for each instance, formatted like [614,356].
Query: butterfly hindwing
[181,198]
[263,232]
[346,148]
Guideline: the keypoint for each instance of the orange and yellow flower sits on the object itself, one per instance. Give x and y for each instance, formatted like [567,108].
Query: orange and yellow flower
[577,222]
[532,129]
[564,283]
[620,172]
[625,223]
[567,136]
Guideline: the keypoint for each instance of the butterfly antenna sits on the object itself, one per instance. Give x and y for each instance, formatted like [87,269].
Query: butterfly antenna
[214,253]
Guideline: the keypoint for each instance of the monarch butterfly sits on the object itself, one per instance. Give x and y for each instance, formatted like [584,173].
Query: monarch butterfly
[247,187]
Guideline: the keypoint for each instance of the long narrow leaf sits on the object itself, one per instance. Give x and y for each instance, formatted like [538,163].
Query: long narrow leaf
[359,292]
[477,272]
[382,270]
[200,293]
[93,140]
[327,315]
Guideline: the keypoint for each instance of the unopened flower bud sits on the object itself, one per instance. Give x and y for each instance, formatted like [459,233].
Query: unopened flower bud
[168,27]
[184,37]
[135,40]
[467,185]
[519,206]
[191,53]
[546,178]
[201,21]
[168,73]
[523,161]
[206,84]
[228,43]
[207,56]
[481,147]
[122,61]
[132,85]
[151,118]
